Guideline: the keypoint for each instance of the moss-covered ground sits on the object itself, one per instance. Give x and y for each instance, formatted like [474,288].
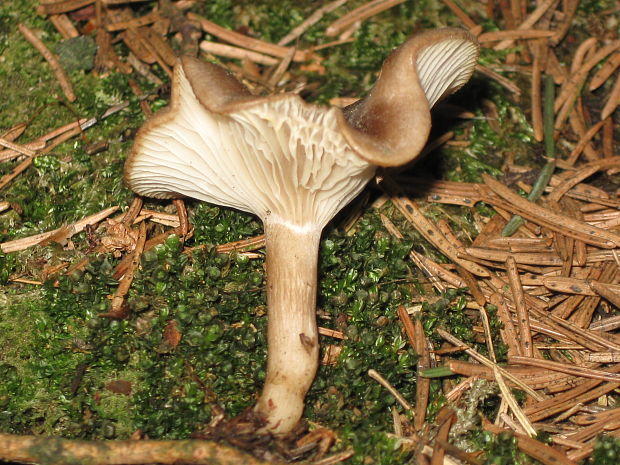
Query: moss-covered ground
[65,371]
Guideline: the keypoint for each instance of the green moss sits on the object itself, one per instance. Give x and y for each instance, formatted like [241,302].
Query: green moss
[606,451]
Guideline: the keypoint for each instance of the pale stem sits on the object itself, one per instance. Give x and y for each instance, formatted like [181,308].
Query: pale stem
[292,337]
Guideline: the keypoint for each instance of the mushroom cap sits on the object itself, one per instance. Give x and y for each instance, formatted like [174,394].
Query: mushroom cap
[390,126]
[276,157]
[282,158]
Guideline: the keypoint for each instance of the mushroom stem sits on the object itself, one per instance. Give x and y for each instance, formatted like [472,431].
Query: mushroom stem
[293,346]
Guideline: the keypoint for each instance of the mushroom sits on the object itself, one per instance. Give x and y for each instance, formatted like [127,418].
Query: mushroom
[294,165]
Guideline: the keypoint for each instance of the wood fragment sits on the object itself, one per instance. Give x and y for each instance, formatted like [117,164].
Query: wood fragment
[430,232]
[613,100]
[536,449]
[512,403]
[238,53]
[423,387]
[240,40]
[133,23]
[523,319]
[118,307]
[535,90]
[15,448]
[23,243]
[331,333]
[569,9]
[565,368]
[509,331]
[532,18]
[605,72]
[310,21]
[64,26]
[464,17]
[391,389]
[63,6]
[570,89]
[16,147]
[51,59]
[536,379]
[501,80]
[359,14]
[515,34]
[445,419]
[552,220]
[583,142]
[485,361]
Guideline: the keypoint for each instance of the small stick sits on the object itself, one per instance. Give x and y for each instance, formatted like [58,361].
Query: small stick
[610,292]
[15,448]
[361,13]
[149,43]
[428,229]
[552,220]
[445,419]
[565,368]
[423,387]
[78,226]
[392,390]
[17,147]
[485,361]
[503,81]
[310,21]
[547,171]
[279,70]
[515,34]
[472,285]
[531,258]
[7,178]
[133,211]
[569,10]
[460,14]
[608,137]
[230,51]
[569,182]
[574,285]
[59,72]
[435,272]
[509,332]
[605,72]
[603,357]
[537,114]
[244,41]
[570,89]
[458,390]
[407,325]
[134,22]
[179,204]
[62,6]
[528,22]
[612,101]
[583,141]
[118,308]
[487,333]
[331,333]
[512,403]
[583,393]
[536,379]
[64,26]
[536,449]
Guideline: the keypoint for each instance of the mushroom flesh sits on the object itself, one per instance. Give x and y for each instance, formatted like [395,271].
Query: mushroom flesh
[294,165]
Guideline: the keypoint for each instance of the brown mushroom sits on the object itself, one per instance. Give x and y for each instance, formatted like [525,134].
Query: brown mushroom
[295,165]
